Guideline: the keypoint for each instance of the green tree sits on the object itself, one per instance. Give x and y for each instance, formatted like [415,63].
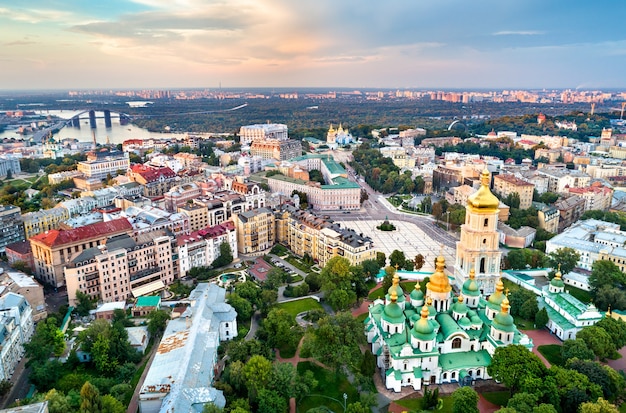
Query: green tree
[225,257]
[90,401]
[465,400]
[111,405]
[523,402]
[529,309]
[278,327]
[397,258]
[517,299]
[512,364]
[157,321]
[607,296]
[599,406]
[256,375]
[541,318]
[57,402]
[242,306]
[47,340]
[84,304]
[616,328]
[512,200]
[337,340]
[596,373]
[605,273]
[576,348]
[598,341]
[211,408]
[544,408]
[248,290]
[271,402]
[566,257]
[381,259]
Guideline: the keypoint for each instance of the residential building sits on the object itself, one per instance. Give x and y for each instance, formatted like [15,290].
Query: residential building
[180,195]
[78,206]
[256,230]
[478,249]
[20,252]
[306,233]
[103,163]
[122,266]
[459,194]
[408,136]
[506,185]
[250,133]
[11,226]
[145,305]
[516,238]
[53,249]
[9,163]
[16,329]
[399,156]
[138,337]
[59,177]
[560,179]
[102,197]
[276,149]
[148,219]
[198,215]
[17,282]
[440,142]
[44,220]
[570,210]
[255,196]
[155,181]
[180,376]
[434,338]
[549,219]
[201,248]
[596,196]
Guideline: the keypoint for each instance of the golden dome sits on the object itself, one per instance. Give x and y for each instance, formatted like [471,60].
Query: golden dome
[439,282]
[331,128]
[505,305]
[483,199]
[497,297]
[460,299]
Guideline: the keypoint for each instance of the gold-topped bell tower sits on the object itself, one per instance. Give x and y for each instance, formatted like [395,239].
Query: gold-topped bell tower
[478,247]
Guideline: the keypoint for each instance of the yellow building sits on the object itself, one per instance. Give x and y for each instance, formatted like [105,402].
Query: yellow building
[509,184]
[44,220]
[256,230]
[478,248]
[198,215]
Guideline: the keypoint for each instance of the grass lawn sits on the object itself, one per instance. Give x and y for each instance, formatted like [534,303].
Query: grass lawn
[524,324]
[299,306]
[499,398]
[288,351]
[582,295]
[622,408]
[552,353]
[362,317]
[416,404]
[511,286]
[330,386]
[407,286]
[296,278]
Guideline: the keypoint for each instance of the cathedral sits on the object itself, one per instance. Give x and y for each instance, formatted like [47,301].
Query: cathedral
[338,137]
[439,337]
[434,338]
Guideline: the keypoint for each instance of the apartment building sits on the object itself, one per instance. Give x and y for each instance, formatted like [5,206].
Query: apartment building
[201,248]
[570,210]
[11,226]
[307,233]
[155,181]
[276,149]
[506,185]
[179,195]
[559,179]
[43,220]
[459,194]
[250,133]
[122,266]
[198,215]
[596,196]
[549,219]
[255,196]
[256,230]
[53,249]
[102,163]
[16,329]
[17,282]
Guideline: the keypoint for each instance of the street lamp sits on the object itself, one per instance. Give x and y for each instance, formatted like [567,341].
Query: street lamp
[345,400]
[448,221]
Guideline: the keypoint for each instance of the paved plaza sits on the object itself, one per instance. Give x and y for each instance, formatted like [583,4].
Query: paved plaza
[407,238]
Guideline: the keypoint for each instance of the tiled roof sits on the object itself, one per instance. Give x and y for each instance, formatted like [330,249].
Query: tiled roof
[56,237]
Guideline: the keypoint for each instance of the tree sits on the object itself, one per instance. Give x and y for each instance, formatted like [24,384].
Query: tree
[437,210]
[598,341]
[529,309]
[370,268]
[465,400]
[566,257]
[248,290]
[523,402]
[47,340]
[596,373]
[157,321]
[541,318]
[111,405]
[419,261]
[605,273]
[337,340]
[271,402]
[599,406]
[57,402]
[9,174]
[512,200]
[211,408]
[278,326]
[90,401]
[517,299]
[256,375]
[576,348]
[512,364]
[381,259]
[84,304]
[544,408]
[616,328]
[397,258]
[225,257]
[242,306]
[607,296]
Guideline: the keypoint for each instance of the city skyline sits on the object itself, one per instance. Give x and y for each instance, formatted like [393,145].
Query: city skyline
[70,44]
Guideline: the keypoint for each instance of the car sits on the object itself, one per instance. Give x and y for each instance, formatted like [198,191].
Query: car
[346,212]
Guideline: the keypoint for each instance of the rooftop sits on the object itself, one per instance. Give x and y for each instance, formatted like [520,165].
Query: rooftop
[60,237]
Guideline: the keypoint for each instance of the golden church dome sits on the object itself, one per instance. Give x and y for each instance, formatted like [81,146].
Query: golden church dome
[483,199]
[439,282]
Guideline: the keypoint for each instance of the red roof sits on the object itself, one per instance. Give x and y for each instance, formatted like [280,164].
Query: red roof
[208,232]
[58,237]
[20,247]
[153,174]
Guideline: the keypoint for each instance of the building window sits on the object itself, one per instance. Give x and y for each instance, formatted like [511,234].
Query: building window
[482,265]
[456,343]
[486,224]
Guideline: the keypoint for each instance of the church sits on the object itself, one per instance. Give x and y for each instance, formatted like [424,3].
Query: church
[338,137]
[434,338]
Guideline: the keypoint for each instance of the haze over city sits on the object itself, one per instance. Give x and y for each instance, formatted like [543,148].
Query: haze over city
[279,43]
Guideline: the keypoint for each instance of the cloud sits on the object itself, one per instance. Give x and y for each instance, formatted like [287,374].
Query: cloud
[35,16]
[518,33]
[19,43]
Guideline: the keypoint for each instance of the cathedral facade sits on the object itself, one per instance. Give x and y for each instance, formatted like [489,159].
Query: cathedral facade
[433,338]
[338,137]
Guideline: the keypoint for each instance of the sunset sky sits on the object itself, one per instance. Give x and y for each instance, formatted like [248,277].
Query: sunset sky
[73,44]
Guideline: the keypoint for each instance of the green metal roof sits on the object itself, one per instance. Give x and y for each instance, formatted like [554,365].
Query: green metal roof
[448,325]
[557,318]
[148,301]
[464,360]
[417,372]
[568,303]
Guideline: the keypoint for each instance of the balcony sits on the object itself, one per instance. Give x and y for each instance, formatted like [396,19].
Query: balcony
[144,273]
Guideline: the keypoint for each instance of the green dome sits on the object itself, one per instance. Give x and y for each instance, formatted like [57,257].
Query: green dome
[459,307]
[464,322]
[423,327]
[393,313]
[471,288]
[557,282]
[497,297]
[504,322]
[417,295]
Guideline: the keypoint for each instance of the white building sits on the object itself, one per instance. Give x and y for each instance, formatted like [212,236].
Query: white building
[201,248]
[16,328]
[181,374]
[250,133]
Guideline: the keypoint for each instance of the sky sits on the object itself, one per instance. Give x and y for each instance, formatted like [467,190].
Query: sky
[90,44]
